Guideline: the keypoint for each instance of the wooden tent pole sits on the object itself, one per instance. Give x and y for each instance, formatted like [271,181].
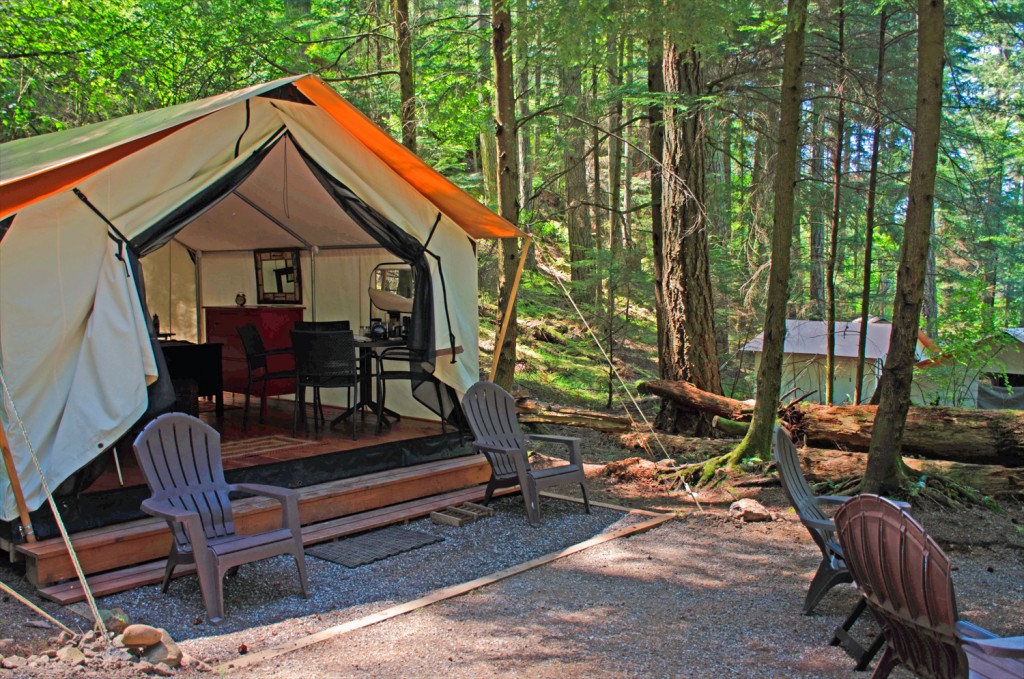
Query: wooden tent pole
[508,309]
[19,495]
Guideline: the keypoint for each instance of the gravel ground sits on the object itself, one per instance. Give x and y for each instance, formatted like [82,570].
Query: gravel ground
[700,596]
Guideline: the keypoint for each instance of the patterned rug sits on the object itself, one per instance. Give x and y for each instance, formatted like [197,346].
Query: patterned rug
[373,546]
[261,445]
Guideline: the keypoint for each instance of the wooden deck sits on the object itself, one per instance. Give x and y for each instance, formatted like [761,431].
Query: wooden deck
[328,510]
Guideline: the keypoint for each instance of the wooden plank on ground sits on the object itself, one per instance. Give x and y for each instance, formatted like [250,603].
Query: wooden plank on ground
[438,595]
[112,547]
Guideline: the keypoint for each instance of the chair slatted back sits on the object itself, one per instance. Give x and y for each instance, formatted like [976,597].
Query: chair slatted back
[906,579]
[794,483]
[325,358]
[491,413]
[180,458]
[252,343]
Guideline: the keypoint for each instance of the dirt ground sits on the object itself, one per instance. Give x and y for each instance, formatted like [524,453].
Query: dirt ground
[701,595]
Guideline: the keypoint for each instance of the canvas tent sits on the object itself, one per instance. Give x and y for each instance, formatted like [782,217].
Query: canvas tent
[198,186]
[804,369]
[988,374]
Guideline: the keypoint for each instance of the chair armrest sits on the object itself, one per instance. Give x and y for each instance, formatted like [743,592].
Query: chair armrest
[275,352]
[162,509]
[190,520]
[998,647]
[820,524]
[571,442]
[273,492]
[831,499]
[288,498]
[496,449]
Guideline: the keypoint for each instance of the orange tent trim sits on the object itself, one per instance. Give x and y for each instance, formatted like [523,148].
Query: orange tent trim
[474,218]
[24,191]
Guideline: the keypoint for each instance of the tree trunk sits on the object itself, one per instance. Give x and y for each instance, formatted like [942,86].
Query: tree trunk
[523,106]
[614,199]
[689,308]
[689,396]
[884,473]
[656,134]
[406,83]
[581,240]
[757,442]
[833,243]
[869,219]
[816,221]
[508,182]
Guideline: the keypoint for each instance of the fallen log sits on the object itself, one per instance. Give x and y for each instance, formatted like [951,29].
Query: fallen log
[991,480]
[956,434]
[689,396]
[531,411]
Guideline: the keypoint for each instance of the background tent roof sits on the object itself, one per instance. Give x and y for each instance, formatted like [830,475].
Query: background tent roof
[810,337]
[34,168]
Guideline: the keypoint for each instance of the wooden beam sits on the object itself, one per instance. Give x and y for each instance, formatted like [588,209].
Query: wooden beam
[434,597]
[500,339]
[19,495]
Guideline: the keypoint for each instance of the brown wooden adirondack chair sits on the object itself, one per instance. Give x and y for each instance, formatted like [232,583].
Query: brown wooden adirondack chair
[180,457]
[905,578]
[491,412]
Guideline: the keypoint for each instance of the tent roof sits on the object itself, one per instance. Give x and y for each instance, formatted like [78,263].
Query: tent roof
[37,167]
[810,337]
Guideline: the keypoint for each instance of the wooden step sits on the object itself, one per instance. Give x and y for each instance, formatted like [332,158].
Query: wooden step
[111,582]
[127,544]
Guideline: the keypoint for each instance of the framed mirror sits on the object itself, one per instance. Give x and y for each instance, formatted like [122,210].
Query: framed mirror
[278,279]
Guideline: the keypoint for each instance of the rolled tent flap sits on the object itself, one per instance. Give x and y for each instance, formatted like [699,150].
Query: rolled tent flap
[96,390]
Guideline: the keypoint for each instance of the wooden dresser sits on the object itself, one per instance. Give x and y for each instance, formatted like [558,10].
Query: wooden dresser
[275,324]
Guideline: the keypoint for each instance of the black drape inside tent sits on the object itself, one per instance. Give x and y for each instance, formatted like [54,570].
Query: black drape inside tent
[403,246]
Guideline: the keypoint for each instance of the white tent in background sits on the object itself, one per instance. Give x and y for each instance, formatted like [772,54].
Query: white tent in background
[192,190]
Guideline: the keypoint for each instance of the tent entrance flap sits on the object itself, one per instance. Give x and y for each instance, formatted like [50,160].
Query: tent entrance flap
[405,247]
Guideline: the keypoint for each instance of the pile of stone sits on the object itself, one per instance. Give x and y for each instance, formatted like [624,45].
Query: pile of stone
[140,648]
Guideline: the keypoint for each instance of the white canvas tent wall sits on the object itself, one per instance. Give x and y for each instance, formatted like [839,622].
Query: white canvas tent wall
[74,345]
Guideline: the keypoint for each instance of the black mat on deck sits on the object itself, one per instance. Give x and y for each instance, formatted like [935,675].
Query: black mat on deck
[373,546]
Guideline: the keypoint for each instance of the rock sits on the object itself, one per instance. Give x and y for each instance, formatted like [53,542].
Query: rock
[162,669]
[14,662]
[115,620]
[6,645]
[749,511]
[140,636]
[71,655]
[38,660]
[144,666]
[39,624]
[164,652]
[117,641]
[64,638]
[190,662]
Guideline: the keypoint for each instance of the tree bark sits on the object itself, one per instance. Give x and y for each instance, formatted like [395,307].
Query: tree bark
[816,221]
[869,219]
[577,214]
[884,473]
[689,307]
[656,141]
[406,82]
[833,242]
[523,106]
[508,182]
[757,442]
[689,396]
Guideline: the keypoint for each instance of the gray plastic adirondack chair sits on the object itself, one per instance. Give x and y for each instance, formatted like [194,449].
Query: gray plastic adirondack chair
[180,457]
[905,578]
[832,570]
[491,412]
